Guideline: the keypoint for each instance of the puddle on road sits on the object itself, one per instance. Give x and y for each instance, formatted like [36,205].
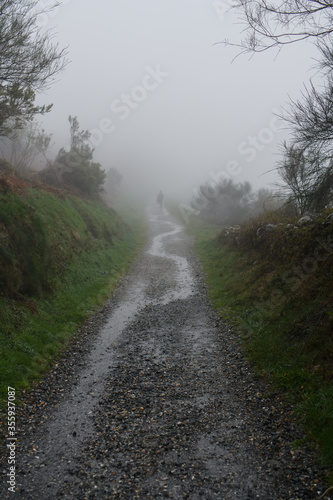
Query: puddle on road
[184,285]
[71,424]
[72,421]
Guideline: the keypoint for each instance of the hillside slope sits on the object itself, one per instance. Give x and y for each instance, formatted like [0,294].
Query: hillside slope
[60,257]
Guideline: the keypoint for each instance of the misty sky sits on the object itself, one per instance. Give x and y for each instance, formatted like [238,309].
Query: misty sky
[165,104]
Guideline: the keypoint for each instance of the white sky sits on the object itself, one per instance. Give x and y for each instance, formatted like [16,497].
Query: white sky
[199,113]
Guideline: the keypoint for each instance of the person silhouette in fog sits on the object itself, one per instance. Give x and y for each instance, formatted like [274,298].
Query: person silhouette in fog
[160,198]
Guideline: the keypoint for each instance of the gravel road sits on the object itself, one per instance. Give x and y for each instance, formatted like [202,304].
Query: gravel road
[154,400]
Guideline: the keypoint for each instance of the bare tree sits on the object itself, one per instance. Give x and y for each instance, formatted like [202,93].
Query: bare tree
[29,62]
[276,23]
[307,179]
[26,148]
[311,121]
[307,166]
[292,171]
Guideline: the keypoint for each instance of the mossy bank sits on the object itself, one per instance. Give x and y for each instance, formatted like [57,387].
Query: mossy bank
[60,258]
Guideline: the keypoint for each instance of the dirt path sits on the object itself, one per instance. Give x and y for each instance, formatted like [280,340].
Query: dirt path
[154,400]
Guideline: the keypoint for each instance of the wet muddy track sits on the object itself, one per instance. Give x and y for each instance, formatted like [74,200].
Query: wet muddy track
[159,402]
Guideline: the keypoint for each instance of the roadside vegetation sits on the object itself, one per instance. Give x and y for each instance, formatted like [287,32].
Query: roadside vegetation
[62,247]
[271,278]
[268,256]
[61,255]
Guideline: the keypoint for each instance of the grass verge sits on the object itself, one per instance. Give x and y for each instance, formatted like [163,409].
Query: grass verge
[276,291]
[60,258]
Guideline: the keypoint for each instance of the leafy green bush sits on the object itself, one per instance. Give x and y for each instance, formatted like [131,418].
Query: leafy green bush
[75,168]
[81,172]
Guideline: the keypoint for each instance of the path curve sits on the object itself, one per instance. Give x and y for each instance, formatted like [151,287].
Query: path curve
[164,404]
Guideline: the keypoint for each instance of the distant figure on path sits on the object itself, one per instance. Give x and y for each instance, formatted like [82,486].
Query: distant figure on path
[160,198]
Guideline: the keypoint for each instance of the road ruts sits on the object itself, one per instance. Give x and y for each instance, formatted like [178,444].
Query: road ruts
[165,406]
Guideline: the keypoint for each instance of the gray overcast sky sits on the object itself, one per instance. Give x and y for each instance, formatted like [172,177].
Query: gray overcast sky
[165,105]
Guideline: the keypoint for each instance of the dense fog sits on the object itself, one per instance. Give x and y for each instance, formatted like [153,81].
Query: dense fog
[166,103]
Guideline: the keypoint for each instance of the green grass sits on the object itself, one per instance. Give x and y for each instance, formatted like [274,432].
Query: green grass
[65,257]
[285,324]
